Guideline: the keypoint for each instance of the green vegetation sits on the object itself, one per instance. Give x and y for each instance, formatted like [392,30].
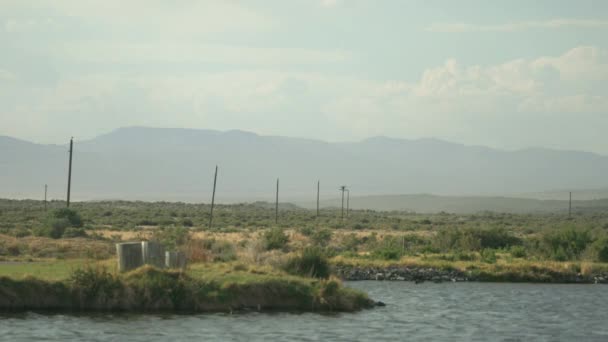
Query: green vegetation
[203,289]
[486,243]
[275,238]
[311,262]
[60,222]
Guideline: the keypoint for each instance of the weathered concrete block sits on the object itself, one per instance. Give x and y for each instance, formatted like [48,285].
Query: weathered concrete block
[129,255]
[153,253]
[175,260]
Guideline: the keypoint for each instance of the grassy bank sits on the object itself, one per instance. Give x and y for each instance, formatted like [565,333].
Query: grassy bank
[502,270]
[75,286]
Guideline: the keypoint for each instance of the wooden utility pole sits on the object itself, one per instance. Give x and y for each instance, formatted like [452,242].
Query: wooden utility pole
[45,189]
[70,170]
[276,205]
[213,198]
[570,205]
[342,188]
[347,201]
[318,190]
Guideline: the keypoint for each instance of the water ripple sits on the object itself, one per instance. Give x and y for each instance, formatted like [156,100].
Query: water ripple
[438,312]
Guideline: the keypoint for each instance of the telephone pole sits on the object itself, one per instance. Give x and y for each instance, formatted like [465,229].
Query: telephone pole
[318,190]
[342,188]
[276,205]
[45,189]
[570,205]
[347,201]
[213,198]
[70,170]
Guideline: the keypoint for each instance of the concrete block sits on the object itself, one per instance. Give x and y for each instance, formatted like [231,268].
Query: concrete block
[129,255]
[175,260]
[153,253]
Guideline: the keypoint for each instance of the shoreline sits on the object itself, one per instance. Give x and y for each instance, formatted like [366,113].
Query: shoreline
[421,274]
[148,289]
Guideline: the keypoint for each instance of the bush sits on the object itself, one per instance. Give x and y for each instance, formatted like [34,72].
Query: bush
[307,231]
[321,237]
[187,222]
[488,256]
[475,239]
[565,244]
[91,281]
[223,251]
[312,262]
[53,228]
[387,253]
[171,237]
[72,232]
[70,215]
[275,239]
[518,251]
[390,248]
[58,221]
[600,248]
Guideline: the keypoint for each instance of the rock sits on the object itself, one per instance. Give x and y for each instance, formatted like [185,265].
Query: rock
[378,303]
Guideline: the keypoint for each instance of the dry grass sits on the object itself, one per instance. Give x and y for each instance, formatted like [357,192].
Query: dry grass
[43,247]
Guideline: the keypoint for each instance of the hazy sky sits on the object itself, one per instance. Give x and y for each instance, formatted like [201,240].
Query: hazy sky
[507,74]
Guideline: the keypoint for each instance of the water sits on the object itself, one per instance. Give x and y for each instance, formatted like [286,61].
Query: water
[450,312]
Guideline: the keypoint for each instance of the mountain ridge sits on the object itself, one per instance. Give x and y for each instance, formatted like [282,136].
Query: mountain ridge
[155,163]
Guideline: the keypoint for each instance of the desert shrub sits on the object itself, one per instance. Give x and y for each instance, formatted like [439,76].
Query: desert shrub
[13,249]
[275,238]
[321,237]
[187,222]
[307,231]
[72,216]
[311,262]
[463,256]
[223,251]
[20,232]
[91,281]
[72,232]
[57,222]
[387,253]
[488,256]
[565,244]
[390,248]
[54,228]
[474,239]
[518,251]
[147,222]
[350,242]
[600,249]
[171,237]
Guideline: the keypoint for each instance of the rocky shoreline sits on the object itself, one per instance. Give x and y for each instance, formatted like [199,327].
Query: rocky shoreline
[422,274]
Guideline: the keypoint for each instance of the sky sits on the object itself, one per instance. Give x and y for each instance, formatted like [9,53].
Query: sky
[505,74]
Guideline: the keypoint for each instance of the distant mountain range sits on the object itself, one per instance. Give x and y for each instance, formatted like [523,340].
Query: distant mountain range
[177,164]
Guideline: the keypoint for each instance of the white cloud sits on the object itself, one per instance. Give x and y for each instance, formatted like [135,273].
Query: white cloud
[513,104]
[560,23]
[494,104]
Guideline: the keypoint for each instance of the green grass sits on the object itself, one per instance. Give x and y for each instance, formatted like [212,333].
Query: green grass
[84,285]
[46,269]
